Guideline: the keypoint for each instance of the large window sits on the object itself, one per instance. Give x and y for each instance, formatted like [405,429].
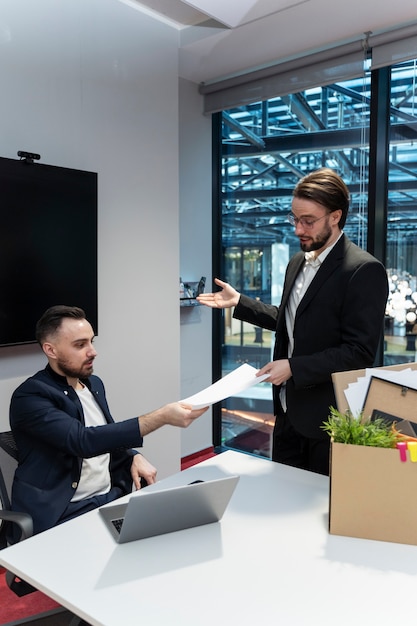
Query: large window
[266,148]
[401,258]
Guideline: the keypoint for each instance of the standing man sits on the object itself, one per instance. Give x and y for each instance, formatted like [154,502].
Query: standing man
[73,457]
[330,319]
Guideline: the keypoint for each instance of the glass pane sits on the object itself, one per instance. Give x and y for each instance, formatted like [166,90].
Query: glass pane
[267,147]
[400,321]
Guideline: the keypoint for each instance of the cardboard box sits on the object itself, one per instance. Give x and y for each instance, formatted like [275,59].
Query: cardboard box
[372,492]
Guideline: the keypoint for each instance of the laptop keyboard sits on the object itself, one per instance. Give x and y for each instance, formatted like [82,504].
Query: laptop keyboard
[118,523]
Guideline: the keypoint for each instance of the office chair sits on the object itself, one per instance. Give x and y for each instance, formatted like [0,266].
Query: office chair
[8,464]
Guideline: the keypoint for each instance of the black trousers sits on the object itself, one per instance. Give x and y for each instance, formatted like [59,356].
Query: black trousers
[292,448]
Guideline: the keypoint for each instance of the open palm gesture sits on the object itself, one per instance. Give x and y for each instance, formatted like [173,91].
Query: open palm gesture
[223,299]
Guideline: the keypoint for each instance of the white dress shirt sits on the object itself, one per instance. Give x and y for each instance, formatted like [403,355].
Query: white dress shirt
[302,282]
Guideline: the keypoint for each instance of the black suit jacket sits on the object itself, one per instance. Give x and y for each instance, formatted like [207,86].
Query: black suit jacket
[47,421]
[337,327]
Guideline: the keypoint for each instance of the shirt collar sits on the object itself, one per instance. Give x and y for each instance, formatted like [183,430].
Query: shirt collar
[311,259]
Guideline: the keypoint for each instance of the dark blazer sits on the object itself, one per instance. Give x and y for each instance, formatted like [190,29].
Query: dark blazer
[337,327]
[47,421]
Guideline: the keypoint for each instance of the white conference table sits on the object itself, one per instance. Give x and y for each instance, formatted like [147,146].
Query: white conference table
[269,560]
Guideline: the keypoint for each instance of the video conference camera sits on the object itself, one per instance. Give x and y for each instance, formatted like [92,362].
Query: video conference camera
[29,157]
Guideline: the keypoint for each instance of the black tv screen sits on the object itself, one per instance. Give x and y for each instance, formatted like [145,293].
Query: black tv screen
[48,244]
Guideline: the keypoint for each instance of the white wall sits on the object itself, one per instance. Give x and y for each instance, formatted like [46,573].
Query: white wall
[94,85]
[195,256]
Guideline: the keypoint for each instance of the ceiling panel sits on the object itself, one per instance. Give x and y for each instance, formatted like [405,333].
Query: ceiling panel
[234,14]
[223,38]
[180,12]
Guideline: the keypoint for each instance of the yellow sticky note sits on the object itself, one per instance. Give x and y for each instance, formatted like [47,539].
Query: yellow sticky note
[412,448]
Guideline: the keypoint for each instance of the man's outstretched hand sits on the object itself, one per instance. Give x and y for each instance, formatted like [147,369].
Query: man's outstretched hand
[223,299]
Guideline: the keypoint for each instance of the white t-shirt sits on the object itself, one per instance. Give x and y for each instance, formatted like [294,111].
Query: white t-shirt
[95,473]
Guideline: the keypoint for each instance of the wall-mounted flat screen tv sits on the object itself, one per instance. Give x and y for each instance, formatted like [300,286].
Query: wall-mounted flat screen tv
[48,244]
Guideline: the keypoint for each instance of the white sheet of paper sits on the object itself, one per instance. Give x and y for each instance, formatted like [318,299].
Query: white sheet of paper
[241,378]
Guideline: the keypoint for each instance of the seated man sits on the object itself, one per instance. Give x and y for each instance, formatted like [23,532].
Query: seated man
[73,457]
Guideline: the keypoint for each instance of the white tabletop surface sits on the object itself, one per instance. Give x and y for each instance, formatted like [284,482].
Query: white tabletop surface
[270,560]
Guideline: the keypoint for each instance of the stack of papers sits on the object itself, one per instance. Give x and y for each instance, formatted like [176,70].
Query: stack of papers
[241,378]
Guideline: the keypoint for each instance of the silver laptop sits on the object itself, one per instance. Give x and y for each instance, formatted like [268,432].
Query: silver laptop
[150,513]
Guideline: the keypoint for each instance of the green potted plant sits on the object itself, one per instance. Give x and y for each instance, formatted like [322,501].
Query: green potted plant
[360,431]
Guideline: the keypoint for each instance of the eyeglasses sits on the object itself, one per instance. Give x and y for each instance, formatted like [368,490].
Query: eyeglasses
[305,222]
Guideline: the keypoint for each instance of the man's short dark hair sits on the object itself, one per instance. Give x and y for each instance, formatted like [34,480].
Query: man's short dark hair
[51,320]
[327,188]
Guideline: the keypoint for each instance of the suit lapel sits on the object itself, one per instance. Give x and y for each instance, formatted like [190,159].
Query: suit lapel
[293,271]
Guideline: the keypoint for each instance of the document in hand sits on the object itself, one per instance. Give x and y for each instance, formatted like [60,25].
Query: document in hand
[241,378]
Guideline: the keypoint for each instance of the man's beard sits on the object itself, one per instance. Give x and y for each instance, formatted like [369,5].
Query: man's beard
[318,243]
[70,372]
